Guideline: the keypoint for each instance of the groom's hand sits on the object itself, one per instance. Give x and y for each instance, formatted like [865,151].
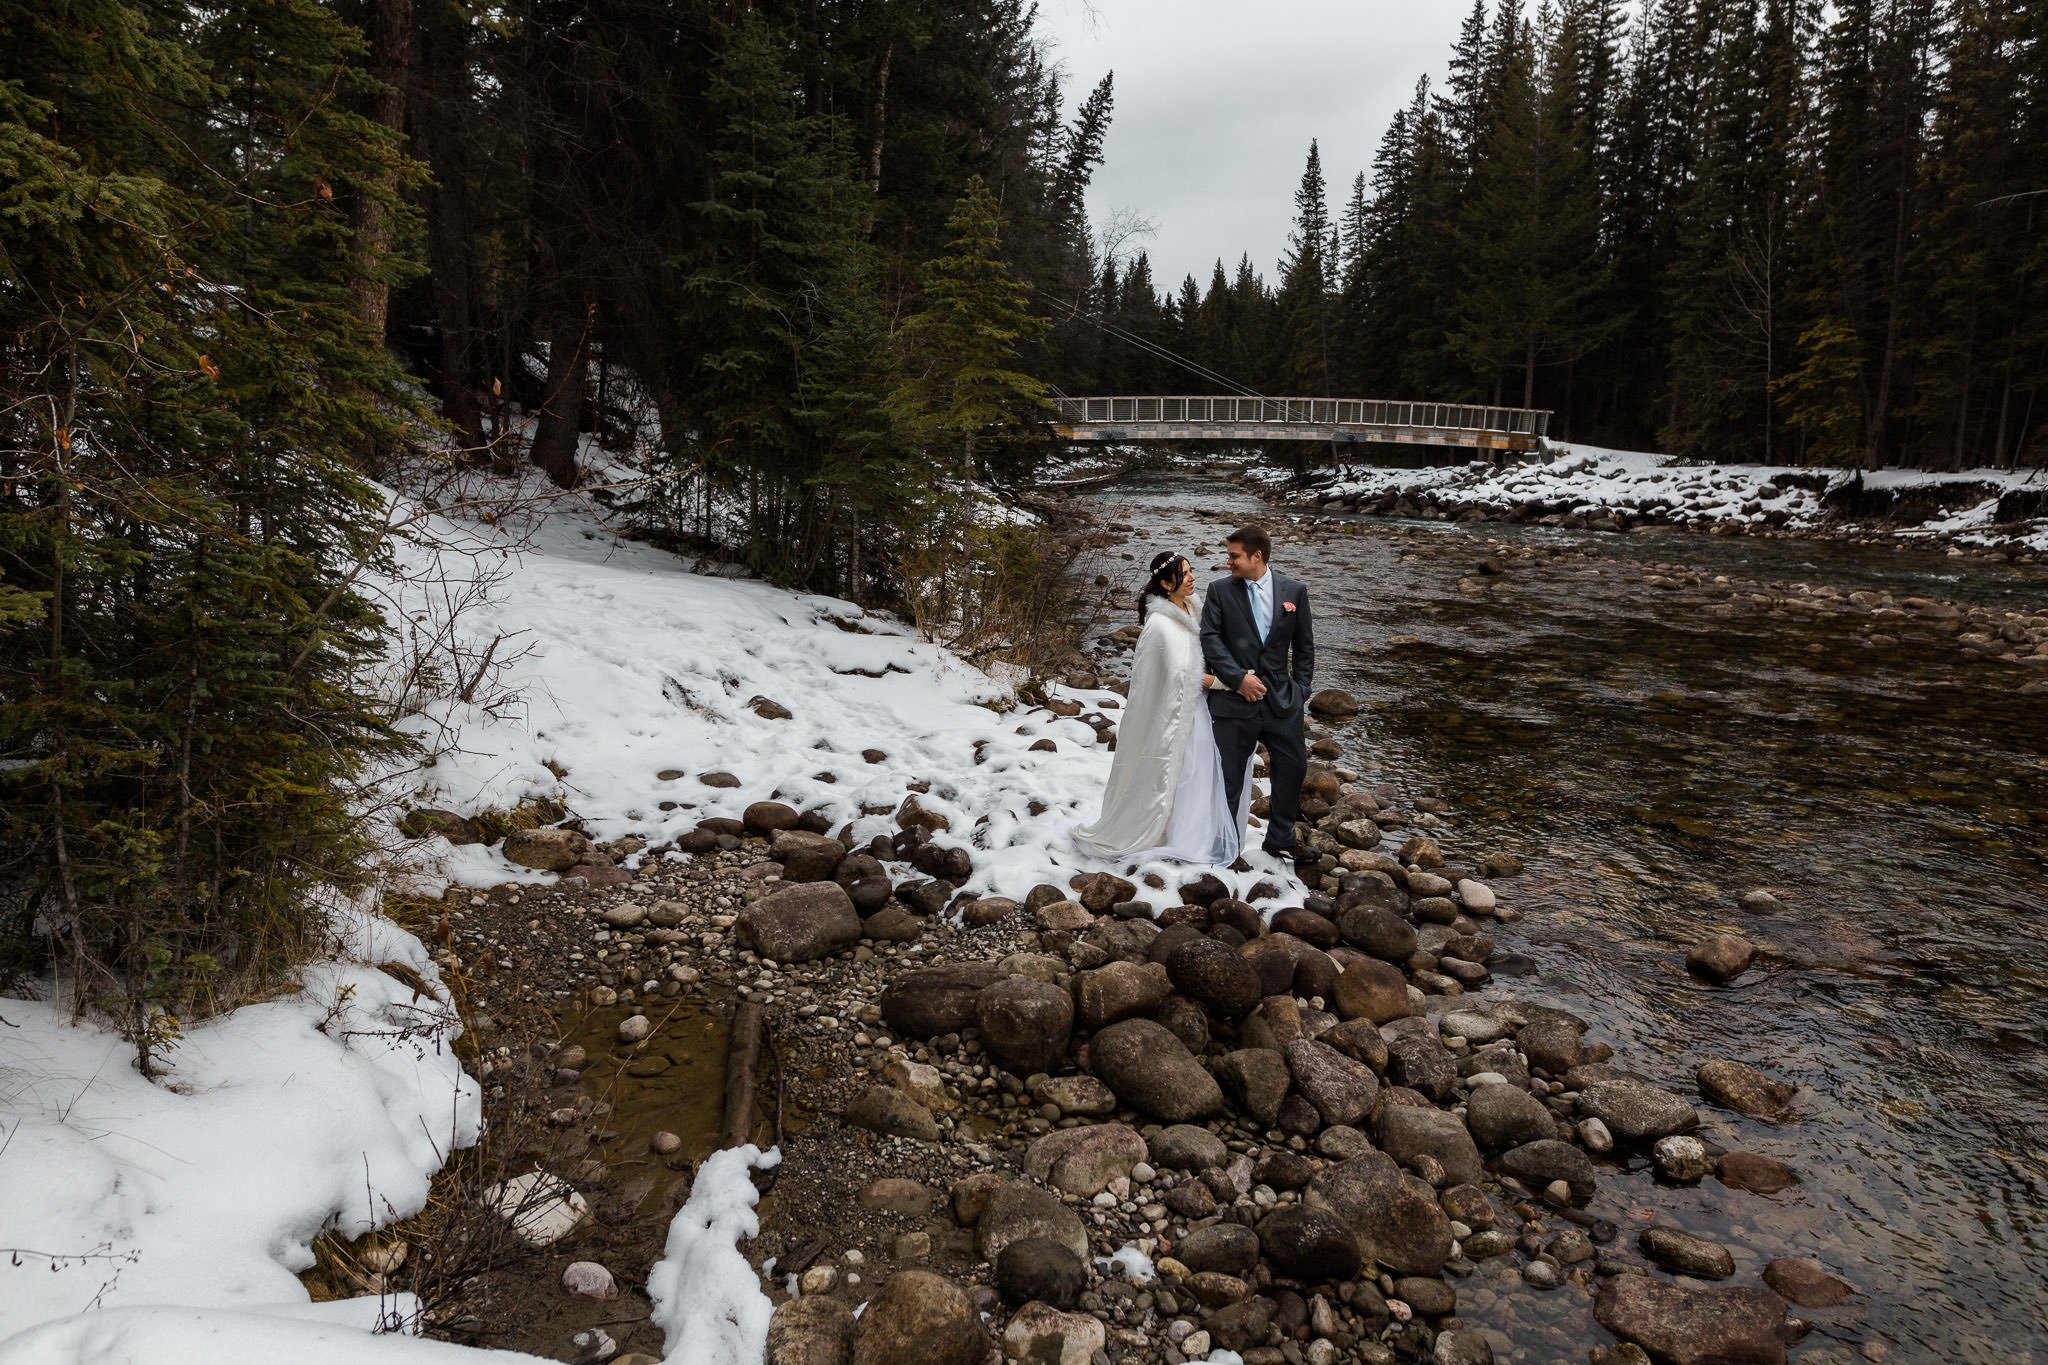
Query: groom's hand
[1251,689]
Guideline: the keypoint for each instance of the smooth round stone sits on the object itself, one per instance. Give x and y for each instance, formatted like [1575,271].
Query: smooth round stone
[665,1143]
[1474,1027]
[1682,1159]
[634,1028]
[588,1279]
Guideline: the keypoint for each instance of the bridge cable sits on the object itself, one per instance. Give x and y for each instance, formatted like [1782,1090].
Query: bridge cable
[1198,370]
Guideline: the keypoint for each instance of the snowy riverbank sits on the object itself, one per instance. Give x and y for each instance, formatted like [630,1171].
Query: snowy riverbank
[1579,485]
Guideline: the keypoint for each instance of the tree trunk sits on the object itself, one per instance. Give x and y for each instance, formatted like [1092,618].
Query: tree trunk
[438,119]
[387,28]
[881,111]
[561,406]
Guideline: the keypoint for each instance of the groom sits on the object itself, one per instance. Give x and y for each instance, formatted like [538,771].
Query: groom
[1258,639]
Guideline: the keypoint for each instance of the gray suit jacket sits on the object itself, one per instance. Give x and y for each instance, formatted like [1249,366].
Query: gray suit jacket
[1285,659]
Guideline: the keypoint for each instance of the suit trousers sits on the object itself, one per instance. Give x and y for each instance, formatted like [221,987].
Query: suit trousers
[1287,765]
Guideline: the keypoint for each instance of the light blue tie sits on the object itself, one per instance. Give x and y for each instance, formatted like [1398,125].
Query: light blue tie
[1262,610]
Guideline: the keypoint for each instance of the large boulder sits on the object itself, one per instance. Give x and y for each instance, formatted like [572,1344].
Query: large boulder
[1553,1045]
[1219,1248]
[1152,1072]
[1214,974]
[936,1000]
[1187,1147]
[1332,703]
[768,817]
[1120,990]
[801,923]
[1506,1116]
[1378,930]
[1084,1161]
[1100,890]
[1396,1217]
[1416,1059]
[1038,1268]
[895,1113]
[1341,1089]
[1042,1334]
[1015,1211]
[1636,1111]
[1024,1023]
[920,1316]
[1683,1325]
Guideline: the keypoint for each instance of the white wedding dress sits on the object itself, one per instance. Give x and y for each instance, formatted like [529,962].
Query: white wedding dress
[1164,800]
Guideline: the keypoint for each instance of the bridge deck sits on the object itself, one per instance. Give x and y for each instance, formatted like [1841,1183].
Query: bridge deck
[1192,418]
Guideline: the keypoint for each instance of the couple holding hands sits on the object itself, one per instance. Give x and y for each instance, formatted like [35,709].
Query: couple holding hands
[1180,784]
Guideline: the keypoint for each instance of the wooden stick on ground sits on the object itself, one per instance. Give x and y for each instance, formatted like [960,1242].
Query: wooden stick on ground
[742,1059]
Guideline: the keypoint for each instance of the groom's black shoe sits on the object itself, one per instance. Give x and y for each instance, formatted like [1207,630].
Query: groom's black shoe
[1300,855]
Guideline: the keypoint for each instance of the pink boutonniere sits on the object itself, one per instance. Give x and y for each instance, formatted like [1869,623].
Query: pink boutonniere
[1287,606]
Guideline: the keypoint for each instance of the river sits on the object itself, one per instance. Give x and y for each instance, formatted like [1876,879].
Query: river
[1652,752]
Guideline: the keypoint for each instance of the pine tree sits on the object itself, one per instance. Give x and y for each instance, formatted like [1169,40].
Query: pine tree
[184,383]
[1304,302]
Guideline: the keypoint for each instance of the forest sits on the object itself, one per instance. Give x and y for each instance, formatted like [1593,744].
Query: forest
[1742,232]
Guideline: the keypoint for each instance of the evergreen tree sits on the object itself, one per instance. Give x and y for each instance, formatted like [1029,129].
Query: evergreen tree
[1304,301]
[184,382]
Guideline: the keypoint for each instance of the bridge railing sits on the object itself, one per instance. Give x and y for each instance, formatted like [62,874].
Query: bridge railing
[1350,412]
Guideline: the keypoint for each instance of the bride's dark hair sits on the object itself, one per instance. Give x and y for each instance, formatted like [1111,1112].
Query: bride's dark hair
[1167,567]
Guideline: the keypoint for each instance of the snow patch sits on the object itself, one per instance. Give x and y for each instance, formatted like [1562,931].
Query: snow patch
[706,1298]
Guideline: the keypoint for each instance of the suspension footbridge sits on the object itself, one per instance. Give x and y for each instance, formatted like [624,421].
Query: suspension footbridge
[1116,420]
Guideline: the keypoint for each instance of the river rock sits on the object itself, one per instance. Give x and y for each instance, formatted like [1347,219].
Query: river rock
[806,857]
[1120,990]
[1537,1164]
[1309,1243]
[589,1280]
[1407,1131]
[1332,703]
[541,1208]
[1417,1060]
[1396,1217]
[1040,1269]
[767,817]
[1100,890]
[1686,1254]
[1260,1080]
[1554,1045]
[1734,1085]
[1214,974]
[1378,931]
[1475,1028]
[898,1195]
[816,1329]
[1069,917]
[1080,1096]
[1760,902]
[1682,1158]
[1421,851]
[1185,1147]
[1025,1024]
[1684,1325]
[1720,957]
[1043,1335]
[885,1109]
[1370,989]
[1806,1283]
[936,1000]
[547,849]
[1341,1089]
[1220,1248]
[800,923]
[1153,1072]
[1507,1116]
[920,1316]
[1014,1211]
[1636,1111]
[1305,925]
[1360,1040]
[1477,896]
[1754,1172]
[1084,1161]
[426,821]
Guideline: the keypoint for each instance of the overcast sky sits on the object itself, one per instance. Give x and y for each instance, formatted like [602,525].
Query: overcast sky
[1216,101]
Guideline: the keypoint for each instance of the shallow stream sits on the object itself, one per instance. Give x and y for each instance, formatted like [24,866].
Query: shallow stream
[1652,752]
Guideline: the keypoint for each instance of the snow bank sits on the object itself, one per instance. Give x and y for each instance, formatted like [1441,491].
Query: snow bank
[706,1299]
[332,1107]
[164,1335]
[626,664]
[1591,479]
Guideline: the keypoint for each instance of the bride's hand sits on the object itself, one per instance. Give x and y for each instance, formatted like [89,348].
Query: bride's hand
[1208,680]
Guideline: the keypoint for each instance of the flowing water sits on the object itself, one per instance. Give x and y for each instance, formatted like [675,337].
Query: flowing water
[1651,753]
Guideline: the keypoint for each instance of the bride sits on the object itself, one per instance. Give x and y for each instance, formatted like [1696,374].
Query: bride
[1165,794]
